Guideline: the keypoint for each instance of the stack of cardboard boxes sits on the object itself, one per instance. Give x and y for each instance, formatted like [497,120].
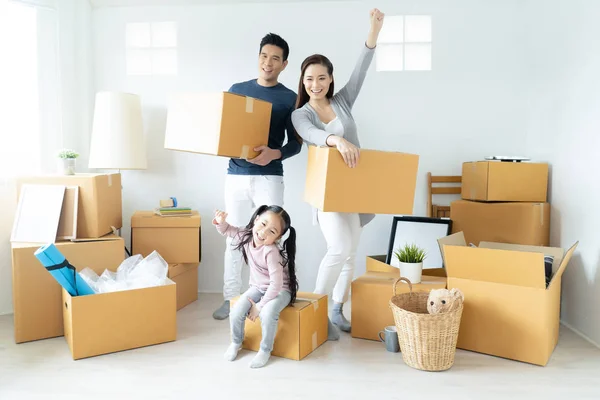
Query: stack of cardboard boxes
[36,295]
[101,323]
[510,309]
[503,202]
[177,240]
[497,256]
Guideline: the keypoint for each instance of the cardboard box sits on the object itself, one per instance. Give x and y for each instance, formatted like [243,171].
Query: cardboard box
[220,124]
[301,329]
[383,182]
[176,239]
[371,294]
[185,277]
[37,295]
[517,223]
[504,181]
[508,310]
[99,205]
[109,322]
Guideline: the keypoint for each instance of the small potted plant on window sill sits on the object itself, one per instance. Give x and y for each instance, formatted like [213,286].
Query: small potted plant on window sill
[410,259]
[66,161]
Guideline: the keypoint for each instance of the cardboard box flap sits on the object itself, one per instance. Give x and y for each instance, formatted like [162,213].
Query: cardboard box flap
[498,266]
[147,219]
[456,239]
[555,252]
[105,238]
[563,264]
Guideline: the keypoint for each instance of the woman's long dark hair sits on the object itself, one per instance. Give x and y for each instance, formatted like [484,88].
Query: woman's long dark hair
[303,97]
[288,252]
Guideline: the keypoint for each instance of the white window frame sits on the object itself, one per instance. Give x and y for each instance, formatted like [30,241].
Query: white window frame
[385,63]
[146,58]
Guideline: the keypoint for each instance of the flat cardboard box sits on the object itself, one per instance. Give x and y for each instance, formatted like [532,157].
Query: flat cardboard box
[302,327]
[37,295]
[508,310]
[99,206]
[516,223]
[221,124]
[504,181]
[176,239]
[371,294]
[185,277]
[116,321]
[383,182]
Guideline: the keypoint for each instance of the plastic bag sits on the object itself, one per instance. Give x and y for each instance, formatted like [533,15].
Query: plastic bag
[134,272]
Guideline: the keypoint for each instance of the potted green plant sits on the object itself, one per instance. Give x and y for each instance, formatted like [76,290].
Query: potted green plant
[410,259]
[66,161]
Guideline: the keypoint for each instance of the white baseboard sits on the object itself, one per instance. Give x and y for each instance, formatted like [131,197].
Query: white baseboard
[580,334]
[6,313]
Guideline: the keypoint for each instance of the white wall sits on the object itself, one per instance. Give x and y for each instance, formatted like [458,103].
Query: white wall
[564,129]
[508,77]
[469,106]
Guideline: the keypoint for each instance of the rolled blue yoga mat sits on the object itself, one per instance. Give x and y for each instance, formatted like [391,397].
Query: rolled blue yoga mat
[64,273]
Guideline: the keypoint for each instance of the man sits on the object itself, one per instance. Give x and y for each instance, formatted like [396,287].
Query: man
[252,183]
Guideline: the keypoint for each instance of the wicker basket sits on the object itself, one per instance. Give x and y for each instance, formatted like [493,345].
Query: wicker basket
[427,341]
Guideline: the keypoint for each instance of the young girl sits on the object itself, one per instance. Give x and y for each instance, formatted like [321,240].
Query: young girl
[273,283]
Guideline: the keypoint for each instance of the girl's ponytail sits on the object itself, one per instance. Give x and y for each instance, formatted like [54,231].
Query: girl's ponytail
[290,256]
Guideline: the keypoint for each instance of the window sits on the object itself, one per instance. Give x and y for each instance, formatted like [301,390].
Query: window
[404,44]
[151,48]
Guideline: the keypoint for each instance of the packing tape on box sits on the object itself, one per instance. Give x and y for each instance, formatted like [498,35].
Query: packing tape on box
[542,205]
[472,191]
[249,104]
[314,341]
[109,180]
[245,151]
[315,302]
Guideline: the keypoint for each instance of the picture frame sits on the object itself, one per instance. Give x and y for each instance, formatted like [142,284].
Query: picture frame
[422,231]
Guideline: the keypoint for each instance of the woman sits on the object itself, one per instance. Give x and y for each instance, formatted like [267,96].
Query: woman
[324,119]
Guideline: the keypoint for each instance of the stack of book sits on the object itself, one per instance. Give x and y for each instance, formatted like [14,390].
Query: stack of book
[173,211]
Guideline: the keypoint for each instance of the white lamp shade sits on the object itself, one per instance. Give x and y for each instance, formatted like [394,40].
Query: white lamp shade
[117,132]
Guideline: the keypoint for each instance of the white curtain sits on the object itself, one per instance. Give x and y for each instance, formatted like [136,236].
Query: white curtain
[30,127]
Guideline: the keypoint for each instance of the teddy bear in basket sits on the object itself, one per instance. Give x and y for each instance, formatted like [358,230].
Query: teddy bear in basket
[444,300]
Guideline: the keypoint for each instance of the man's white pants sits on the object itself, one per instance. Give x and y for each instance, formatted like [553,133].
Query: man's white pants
[243,195]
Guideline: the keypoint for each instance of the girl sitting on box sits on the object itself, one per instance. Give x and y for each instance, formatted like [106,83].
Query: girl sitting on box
[325,119]
[273,283]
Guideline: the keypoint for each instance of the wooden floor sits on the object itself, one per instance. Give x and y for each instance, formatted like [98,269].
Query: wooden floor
[193,368]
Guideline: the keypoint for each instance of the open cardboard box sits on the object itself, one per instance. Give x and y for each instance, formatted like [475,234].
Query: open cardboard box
[37,295]
[110,322]
[508,311]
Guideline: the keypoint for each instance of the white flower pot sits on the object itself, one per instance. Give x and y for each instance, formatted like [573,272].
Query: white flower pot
[66,166]
[411,271]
